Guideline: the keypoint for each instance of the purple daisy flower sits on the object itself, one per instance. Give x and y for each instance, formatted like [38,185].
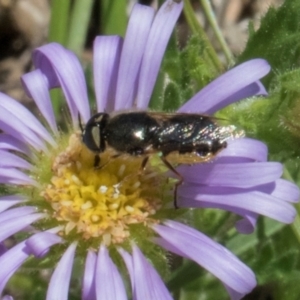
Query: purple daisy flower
[57,197]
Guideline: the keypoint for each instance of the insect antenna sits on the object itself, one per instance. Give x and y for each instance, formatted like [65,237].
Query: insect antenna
[80,123]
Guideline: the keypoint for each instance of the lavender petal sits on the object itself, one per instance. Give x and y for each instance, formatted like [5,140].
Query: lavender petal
[10,261]
[14,176]
[236,175]
[35,85]
[158,38]
[207,253]
[88,289]
[62,68]
[9,160]
[109,284]
[59,283]
[8,201]
[132,53]
[234,295]
[12,125]
[15,213]
[7,297]
[25,117]
[12,226]
[251,90]
[245,147]
[247,224]
[129,265]
[40,243]
[107,52]
[286,190]
[221,89]
[148,284]
[8,142]
[252,201]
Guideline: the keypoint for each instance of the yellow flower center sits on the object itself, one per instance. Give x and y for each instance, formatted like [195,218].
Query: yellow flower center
[102,202]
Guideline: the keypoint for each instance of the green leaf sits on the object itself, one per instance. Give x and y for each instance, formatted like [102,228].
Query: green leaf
[156,101]
[273,256]
[273,120]
[277,40]
[241,243]
[187,70]
[171,97]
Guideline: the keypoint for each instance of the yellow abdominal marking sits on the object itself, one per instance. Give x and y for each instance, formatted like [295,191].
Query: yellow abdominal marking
[101,202]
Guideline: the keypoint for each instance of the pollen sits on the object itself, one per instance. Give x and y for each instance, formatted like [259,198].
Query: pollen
[102,202]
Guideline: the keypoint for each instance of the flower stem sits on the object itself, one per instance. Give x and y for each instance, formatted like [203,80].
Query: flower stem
[214,24]
[113,17]
[196,28]
[296,227]
[78,25]
[58,27]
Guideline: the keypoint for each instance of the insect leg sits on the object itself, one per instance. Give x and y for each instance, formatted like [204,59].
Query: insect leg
[141,169]
[97,161]
[178,183]
[80,124]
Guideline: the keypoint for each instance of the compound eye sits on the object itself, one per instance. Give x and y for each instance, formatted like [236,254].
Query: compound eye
[93,135]
[92,138]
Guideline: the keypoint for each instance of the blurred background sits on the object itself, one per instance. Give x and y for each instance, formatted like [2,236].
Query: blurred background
[27,24]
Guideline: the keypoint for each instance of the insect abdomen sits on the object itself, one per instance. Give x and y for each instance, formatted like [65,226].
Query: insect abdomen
[189,133]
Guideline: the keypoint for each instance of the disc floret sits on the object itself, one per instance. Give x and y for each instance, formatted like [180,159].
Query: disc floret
[101,202]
